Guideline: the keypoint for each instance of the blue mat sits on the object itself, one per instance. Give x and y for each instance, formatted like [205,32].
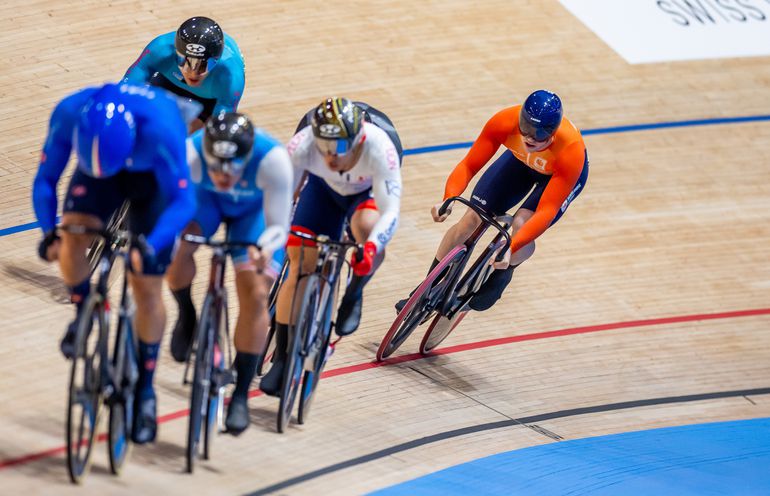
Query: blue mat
[704,459]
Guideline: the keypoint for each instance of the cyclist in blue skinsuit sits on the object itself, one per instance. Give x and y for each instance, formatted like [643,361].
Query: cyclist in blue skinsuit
[130,145]
[198,62]
[238,172]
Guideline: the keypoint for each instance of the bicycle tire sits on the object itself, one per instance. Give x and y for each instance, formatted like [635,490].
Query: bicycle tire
[215,399]
[439,330]
[292,377]
[312,377]
[120,419]
[200,384]
[414,312]
[89,350]
[272,299]
[267,355]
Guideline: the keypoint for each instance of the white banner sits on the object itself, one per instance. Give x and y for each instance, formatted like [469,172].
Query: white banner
[643,31]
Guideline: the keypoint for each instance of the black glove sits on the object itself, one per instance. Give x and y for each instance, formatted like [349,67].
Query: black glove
[45,243]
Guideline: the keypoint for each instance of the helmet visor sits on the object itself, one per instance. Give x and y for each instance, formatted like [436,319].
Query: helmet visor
[194,64]
[534,132]
[339,146]
[229,166]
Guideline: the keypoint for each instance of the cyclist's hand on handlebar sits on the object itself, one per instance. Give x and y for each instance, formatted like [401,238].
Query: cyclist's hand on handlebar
[260,258]
[505,262]
[362,264]
[48,248]
[436,216]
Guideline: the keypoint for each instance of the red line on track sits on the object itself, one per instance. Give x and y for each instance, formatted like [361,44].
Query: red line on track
[445,351]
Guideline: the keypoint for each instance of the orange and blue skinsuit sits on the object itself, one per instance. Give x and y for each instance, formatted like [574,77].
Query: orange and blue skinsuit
[558,172]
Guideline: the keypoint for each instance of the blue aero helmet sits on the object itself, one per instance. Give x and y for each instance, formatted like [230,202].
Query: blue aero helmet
[105,133]
[540,115]
[199,44]
[337,126]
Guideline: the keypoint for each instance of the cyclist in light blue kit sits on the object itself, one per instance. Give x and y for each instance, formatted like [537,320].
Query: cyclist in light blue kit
[198,62]
[130,145]
[239,173]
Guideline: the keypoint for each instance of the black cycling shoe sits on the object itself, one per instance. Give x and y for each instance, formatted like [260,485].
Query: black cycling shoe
[348,317]
[400,304]
[491,290]
[271,382]
[237,416]
[181,339]
[145,420]
[67,344]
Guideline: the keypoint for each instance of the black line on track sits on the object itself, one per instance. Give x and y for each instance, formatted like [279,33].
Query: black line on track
[416,443]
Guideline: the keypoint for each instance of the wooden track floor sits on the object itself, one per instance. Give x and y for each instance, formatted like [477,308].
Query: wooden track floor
[674,225]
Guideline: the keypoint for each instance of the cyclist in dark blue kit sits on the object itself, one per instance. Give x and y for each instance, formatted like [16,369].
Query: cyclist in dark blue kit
[197,62]
[130,145]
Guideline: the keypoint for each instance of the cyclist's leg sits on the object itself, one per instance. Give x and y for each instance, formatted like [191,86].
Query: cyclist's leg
[89,202]
[493,288]
[147,204]
[182,270]
[253,318]
[362,220]
[317,212]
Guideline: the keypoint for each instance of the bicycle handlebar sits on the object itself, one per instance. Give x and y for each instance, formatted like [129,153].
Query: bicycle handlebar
[485,217]
[324,239]
[105,234]
[225,245]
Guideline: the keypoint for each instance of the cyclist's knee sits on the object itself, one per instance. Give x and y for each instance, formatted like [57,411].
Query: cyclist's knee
[468,222]
[252,288]
[362,223]
[147,291]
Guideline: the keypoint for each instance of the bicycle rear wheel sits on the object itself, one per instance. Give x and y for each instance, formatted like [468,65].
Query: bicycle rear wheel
[438,331]
[305,306]
[267,355]
[419,307]
[201,382]
[85,388]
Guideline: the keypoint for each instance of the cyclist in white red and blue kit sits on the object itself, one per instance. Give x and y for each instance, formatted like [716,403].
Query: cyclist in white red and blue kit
[130,145]
[352,156]
[243,177]
[197,62]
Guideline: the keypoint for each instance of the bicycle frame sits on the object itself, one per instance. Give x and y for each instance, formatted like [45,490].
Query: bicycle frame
[331,258]
[480,269]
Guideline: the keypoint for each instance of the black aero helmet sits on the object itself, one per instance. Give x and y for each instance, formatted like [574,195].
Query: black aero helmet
[337,124]
[199,43]
[227,142]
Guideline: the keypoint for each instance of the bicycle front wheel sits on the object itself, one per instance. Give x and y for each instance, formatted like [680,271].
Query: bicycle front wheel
[124,362]
[201,383]
[419,306]
[85,395]
[305,307]
[311,378]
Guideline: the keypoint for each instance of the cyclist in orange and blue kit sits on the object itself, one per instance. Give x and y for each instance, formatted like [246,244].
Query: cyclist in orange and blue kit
[544,151]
